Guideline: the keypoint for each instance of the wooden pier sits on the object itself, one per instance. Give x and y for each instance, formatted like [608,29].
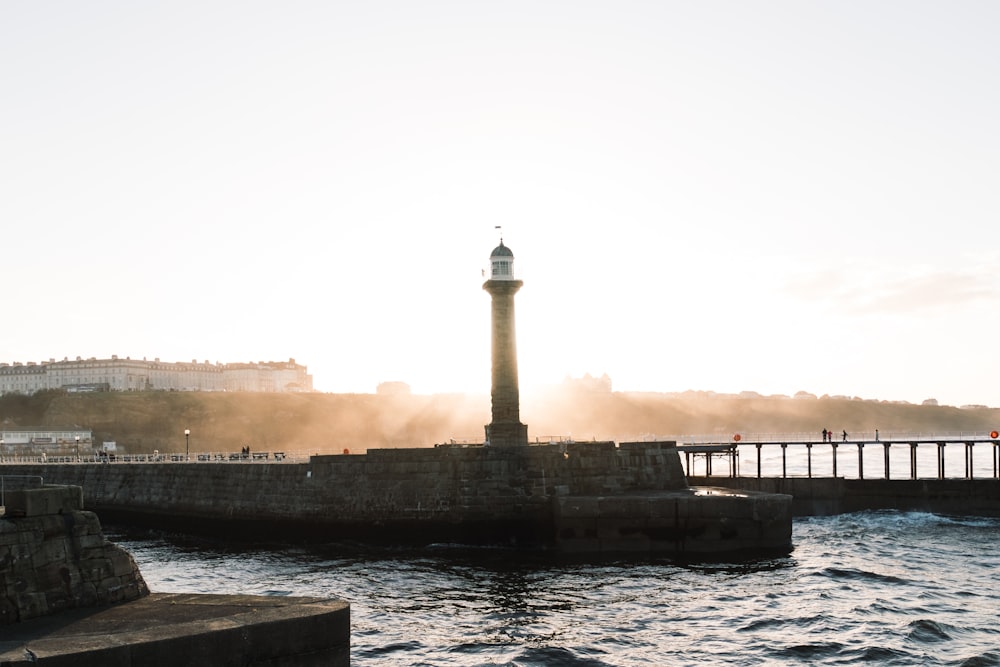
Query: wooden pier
[729,452]
[947,485]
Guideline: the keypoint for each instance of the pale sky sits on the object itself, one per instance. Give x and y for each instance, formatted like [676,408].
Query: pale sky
[723,196]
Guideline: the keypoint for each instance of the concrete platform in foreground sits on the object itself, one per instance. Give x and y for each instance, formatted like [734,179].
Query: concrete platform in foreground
[187,629]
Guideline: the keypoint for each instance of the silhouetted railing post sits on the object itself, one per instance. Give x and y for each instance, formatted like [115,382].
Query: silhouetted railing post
[809,459]
[758,460]
[968,460]
[940,461]
[834,446]
[885,446]
[913,460]
[784,468]
[861,460]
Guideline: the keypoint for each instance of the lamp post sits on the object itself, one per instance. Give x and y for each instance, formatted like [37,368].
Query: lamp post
[187,444]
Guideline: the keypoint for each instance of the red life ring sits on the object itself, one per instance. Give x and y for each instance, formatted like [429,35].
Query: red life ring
[994,435]
[736,437]
[346,450]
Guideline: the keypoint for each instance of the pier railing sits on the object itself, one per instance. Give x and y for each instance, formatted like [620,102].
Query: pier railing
[896,456]
[892,455]
[170,457]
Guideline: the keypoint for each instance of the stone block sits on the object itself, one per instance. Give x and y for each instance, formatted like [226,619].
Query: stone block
[580,545]
[629,507]
[42,501]
[49,551]
[577,507]
[8,611]
[630,544]
[617,528]
[31,605]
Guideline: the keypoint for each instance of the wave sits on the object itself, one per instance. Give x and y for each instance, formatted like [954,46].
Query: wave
[553,656]
[924,630]
[850,573]
[988,659]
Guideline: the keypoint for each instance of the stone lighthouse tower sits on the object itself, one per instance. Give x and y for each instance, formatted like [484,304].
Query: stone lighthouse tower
[506,429]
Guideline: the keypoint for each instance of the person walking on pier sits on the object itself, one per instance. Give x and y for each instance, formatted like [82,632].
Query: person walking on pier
[824,435]
[876,435]
[845,436]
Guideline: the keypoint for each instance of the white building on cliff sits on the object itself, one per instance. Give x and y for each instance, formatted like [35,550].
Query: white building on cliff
[116,374]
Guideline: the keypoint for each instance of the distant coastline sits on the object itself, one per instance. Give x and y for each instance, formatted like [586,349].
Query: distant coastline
[311,423]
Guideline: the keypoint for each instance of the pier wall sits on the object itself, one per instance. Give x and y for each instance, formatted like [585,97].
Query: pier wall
[465,493]
[821,496]
[54,557]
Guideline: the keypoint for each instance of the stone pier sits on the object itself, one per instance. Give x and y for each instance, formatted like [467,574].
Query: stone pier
[514,496]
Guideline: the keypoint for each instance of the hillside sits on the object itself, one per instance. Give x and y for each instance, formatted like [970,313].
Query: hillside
[326,423]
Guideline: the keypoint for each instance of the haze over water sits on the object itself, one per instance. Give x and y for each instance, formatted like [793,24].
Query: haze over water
[867,588]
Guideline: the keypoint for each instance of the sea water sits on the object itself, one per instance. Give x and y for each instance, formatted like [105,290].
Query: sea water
[885,588]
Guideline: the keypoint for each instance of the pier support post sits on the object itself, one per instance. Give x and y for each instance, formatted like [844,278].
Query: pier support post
[913,460]
[940,460]
[758,460]
[861,460]
[809,459]
[885,446]
[784,467]
[834,446]
[968,460]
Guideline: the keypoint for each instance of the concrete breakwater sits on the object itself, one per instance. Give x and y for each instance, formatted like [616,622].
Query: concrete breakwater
[512,495]
[820,496]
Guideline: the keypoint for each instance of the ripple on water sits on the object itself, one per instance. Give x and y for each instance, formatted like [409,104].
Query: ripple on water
[389,649]
[853,574]
[555,656]
[988,659]
[808,652]
[926,630]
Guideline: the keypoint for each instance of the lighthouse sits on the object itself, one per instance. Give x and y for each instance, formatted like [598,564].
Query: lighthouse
[506,429]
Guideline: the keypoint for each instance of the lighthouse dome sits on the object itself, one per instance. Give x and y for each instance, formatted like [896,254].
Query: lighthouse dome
[502,251]
[502,263]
